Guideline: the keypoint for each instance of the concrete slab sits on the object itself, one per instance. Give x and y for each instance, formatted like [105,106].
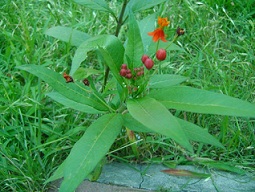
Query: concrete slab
[119,177]
[88,186]
[154,179]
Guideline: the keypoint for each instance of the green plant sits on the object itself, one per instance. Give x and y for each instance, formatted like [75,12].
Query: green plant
[136,103]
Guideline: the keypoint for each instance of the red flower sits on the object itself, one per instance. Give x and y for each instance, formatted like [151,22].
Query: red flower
[158,34]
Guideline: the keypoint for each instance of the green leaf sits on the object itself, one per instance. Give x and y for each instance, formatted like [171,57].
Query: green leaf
[110,61]
[82,73]
[192,131]
[109,42]
[99,5]
[73,91]
[196,133]
[72,104]
[156,117]
[67,34]
[90,149]
[165,80]
[136,6]
[134,125]
[134,46]
[147,25]
[225,166]
[201,101]
[59,173]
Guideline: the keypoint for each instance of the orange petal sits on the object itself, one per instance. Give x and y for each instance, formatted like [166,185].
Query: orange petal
[158,34]
[163,22]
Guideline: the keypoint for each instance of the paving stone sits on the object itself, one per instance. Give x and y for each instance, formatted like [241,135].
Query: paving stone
[154,179]
[122,174]
[219,181]
[119,177]
[88,186]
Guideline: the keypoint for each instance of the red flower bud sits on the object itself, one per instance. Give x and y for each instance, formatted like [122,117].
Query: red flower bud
[139,73]
[161,54]
[149,63]
[128,76]
[123,72]
[144,57]
[124,66]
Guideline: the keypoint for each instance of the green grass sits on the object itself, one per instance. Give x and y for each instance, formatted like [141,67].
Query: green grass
[37,134]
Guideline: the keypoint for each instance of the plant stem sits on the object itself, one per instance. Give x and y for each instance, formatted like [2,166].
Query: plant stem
[119,25]
[120,21]
[174,39]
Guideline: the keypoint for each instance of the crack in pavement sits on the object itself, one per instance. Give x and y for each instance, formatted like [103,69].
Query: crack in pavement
[142,175]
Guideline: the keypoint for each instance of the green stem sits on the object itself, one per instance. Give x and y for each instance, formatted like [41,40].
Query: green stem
[119,25]
[157,46]
[174,39]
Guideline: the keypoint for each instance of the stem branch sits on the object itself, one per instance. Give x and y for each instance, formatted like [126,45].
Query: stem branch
[119,25]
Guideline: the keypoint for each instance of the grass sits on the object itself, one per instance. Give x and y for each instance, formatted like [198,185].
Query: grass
[37,134]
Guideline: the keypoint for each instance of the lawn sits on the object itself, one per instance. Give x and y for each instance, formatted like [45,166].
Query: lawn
[216,53]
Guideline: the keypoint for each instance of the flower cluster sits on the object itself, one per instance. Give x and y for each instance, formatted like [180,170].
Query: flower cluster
[127,73]
[148,61]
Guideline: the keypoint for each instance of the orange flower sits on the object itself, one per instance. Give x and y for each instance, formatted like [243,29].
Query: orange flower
[158,34]
[163,22]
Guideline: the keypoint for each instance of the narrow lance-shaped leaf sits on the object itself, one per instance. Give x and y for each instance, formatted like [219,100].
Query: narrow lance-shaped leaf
[201,101]
[89,150]
[225,166]
[147,25]
[165,80]
[196,133]
[109,42]
[192,131]
[156,117]
[67,34]
[73,91]
[134,125]
[134,47]
[113,66]
[99,5]
[136,5]
[59,173]
[72,104]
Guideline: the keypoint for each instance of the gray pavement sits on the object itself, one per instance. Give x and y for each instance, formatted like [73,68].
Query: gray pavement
[119,177]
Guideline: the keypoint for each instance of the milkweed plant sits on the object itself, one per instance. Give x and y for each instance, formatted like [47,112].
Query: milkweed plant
[142,95]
